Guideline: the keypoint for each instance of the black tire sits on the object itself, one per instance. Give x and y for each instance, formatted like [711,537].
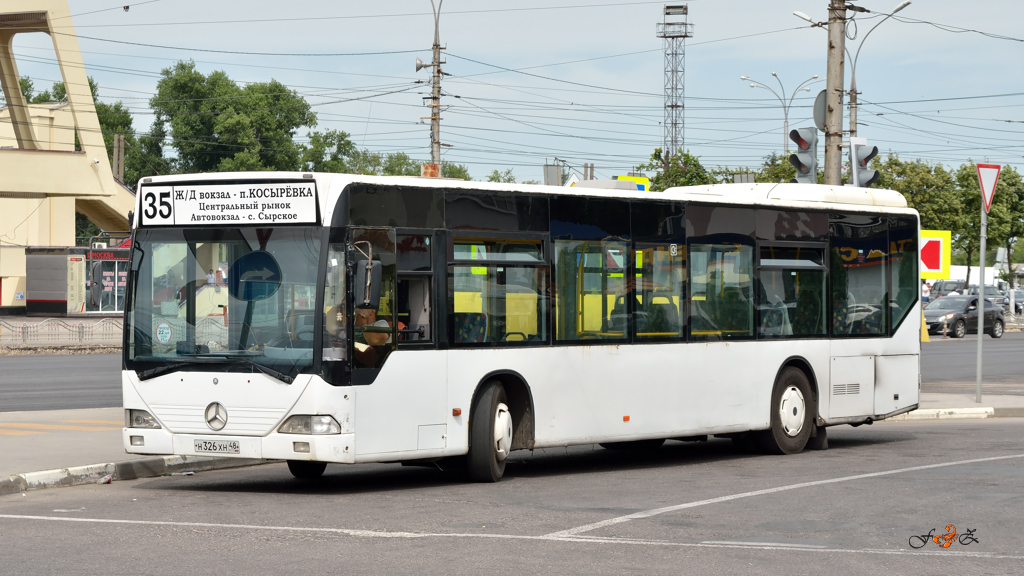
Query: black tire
[997,329]
[789,434]
[305,469]
[959,329]
[485,463]
[634,445]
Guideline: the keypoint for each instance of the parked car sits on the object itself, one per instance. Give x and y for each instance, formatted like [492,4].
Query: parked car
[958,315]
[1018,301]
[943,287]
[993,294]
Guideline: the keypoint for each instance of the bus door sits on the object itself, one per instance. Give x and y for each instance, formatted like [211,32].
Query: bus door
[401,380]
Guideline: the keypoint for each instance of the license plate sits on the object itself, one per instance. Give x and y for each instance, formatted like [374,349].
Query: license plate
[217,446]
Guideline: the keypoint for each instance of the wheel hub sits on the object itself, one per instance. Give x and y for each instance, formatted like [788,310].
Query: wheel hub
[502,432]
[792,410]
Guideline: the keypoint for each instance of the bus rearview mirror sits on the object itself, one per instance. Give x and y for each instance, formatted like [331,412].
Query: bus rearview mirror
[366,288]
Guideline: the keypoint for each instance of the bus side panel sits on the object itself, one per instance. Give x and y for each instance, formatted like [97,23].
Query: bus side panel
[893,369]
[688,389]
[584,394]
[553,375]
[404,409]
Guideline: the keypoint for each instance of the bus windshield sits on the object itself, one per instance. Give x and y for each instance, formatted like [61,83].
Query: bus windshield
[240,298]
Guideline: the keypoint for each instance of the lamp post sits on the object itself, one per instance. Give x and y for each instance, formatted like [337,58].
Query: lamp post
[782,100]
[853,59]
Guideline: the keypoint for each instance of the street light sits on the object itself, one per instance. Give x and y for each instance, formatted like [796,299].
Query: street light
[853,59]
[782,100]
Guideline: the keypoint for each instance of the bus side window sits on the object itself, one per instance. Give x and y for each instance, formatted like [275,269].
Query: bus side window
[859,247]
[721,265]
[413,297]
[591,289]
[498,292]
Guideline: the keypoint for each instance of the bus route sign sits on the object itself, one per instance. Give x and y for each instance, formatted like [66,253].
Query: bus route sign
[229,204]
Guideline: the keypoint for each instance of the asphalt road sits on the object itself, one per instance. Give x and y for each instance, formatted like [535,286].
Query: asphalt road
[40,382]
[950,365]
[59,382]
[685,509]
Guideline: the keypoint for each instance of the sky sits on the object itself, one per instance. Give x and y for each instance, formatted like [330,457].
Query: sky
[577,80]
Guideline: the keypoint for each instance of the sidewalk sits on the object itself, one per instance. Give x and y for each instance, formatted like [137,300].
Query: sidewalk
[45,449]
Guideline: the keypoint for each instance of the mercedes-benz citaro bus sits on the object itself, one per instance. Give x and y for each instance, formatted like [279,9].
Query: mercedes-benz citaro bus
[336,318]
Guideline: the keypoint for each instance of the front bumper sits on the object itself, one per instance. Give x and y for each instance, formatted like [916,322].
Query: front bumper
[274,446]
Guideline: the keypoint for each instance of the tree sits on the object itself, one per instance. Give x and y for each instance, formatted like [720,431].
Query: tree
[929,188]
[507,177]
[459,171]
[215,125]
[331,151]
[775,169]
[681,169]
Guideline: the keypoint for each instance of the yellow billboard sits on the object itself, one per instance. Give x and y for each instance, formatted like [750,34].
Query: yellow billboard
[936,249]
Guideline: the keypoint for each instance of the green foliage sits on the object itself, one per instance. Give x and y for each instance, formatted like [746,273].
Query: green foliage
[459,171]
[506,177]
[216,125]
[681,169]
[928,188]
[331,151]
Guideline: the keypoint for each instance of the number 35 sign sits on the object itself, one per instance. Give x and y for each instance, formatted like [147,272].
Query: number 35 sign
[157,208]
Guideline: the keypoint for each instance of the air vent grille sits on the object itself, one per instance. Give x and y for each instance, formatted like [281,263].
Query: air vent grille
[846,389]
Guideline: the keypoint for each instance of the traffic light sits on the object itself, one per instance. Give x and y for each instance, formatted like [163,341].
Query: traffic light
[806,158]
[860,154]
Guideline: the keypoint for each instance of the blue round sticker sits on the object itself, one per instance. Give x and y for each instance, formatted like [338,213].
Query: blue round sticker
[254,276]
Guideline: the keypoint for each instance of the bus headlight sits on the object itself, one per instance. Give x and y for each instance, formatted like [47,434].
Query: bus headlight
[139,419]
[304,424]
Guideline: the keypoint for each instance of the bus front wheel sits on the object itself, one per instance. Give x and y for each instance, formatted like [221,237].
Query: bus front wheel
[793,409]
[305,469]
[490,434]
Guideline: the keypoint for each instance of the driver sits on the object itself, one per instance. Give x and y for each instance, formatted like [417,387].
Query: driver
[367,316]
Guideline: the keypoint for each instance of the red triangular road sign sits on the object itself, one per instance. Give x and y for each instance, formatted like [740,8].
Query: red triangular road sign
[988,176]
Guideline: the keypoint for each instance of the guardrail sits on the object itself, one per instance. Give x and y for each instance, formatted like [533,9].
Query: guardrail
[54,332]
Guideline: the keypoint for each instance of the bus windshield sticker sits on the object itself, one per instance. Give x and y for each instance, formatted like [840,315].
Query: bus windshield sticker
[254,276]
[238,204]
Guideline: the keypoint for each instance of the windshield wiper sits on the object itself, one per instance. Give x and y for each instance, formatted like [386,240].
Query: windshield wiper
[160,370]
[271,372]
[204,358]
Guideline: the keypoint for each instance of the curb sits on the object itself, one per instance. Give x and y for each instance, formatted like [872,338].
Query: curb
[128,470]
[951,414]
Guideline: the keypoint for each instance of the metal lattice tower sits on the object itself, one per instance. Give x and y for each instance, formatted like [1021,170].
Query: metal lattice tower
[675,29]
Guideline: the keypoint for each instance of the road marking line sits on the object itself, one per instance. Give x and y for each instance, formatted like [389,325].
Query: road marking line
[17,432]
[648,513]
[54,427]
[97,421]
[569,539]
[759,544]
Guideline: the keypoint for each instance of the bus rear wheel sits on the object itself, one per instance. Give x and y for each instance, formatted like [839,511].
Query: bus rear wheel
[793,409]
[490,434]
[305,469]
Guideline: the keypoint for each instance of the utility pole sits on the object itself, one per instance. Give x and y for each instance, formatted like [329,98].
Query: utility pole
[834,92]
[433,170]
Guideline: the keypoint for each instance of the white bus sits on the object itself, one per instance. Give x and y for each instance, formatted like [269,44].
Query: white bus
[335,318]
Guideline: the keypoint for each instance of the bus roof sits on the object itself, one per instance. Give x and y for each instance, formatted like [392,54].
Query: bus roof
[806,196]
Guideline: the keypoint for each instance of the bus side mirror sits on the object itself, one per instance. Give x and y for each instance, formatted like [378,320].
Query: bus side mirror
[366,288]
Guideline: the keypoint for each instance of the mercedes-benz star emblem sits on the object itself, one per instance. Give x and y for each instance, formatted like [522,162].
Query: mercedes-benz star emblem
[216,416]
